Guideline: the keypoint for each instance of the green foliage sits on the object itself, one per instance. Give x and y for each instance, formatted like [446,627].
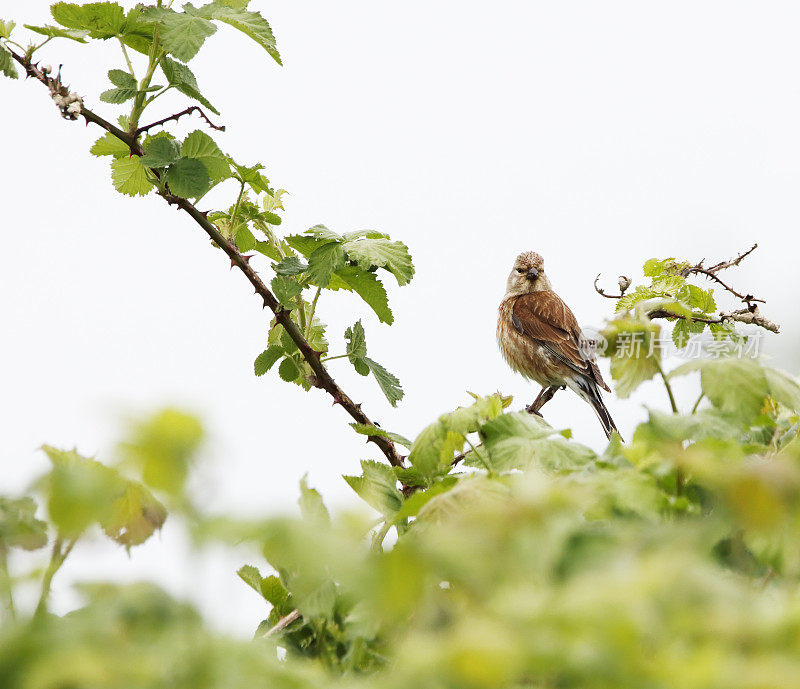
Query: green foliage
[7,66]
[188,177]
[181,78]
[56,32]
[633,346]
[357,354]
[162,448]
[19,527]
[129,176]
[6,27]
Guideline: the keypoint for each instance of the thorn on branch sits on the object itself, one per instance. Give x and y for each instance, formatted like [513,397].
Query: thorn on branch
[176,117]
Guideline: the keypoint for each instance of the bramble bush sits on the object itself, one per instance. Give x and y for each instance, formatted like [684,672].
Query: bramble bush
[500,552]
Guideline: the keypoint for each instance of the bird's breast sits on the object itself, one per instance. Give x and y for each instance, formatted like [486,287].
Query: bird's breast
[523,354]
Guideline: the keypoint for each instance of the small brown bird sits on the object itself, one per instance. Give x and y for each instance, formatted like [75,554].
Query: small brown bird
[540,338]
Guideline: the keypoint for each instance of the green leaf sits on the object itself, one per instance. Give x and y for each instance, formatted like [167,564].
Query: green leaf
[324,261]
[135,516]
[245,241]
[160,151]
[266,360]
[288,370]
[700,298]
[735,386]
[121,79]
[383,253]
[19,527]
[286,288]
[357,347]
[182,78]
[291,265]
[324,234]
[311,505]
[388,383]
[201,146]
[182,33]
[783,388]
[633,350]
[163,447]
[250,23]
[117,96]
[130,176]
[56,32]
[7,64]
[110,145]
[6,27]
[251,576]
[418,500]
[377,486]
[366,429]
[188,177]
[303,243]
[367,286]
[683,330]
[101,19]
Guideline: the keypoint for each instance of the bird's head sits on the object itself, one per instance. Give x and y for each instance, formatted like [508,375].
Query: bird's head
[527,275]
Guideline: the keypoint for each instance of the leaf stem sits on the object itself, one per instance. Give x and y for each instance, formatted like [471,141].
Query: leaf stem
[667,386]
[380,534]
[478,455]
[331,358]
[139,103]
[57,557]
[127,57]
[310,321]
[5,584]
[697,404]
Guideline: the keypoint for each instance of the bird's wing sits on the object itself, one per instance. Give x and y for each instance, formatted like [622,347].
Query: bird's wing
[544,317]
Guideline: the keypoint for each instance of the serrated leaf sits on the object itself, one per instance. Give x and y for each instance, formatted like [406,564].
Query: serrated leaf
[357,347]
[6,27]
[130,176]
[7,64]
[365,429]
[245,241]
[288,370]
[267,359]
[182,78]
[187,177]
[367,286]
[57,32]
[160,151]
[286,289]
[324,261]
[251,576]
[250,23]
[291,265]
[377,486]
[110,145]
[700,299]
[181,33]
[683,330]
[202,147]
[117,96]
[388,383]
[101,19]
[303,243]
[121,79]
[383,253]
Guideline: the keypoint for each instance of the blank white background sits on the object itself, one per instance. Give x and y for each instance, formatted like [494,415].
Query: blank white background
[598,134]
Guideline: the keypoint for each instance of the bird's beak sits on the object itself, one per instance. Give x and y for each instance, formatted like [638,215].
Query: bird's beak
[532,274]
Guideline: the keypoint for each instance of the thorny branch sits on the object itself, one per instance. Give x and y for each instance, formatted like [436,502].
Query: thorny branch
[322,378]
[749,315]
[177,116]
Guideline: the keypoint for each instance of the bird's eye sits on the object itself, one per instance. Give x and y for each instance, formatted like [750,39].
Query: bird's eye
[520,270]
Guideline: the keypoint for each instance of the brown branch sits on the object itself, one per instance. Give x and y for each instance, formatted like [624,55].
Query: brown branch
[282,623]
[624,283]
[322,378]
[740,316]
[712,271]
[177,116]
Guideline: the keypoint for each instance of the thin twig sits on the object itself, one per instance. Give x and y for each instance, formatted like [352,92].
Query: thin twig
[177,116]
[624,283]
[712,271]
[322,378]
[284,622]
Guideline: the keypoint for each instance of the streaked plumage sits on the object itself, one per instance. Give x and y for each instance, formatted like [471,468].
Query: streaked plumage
[540,338]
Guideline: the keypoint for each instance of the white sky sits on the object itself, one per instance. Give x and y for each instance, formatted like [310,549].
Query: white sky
[598,134]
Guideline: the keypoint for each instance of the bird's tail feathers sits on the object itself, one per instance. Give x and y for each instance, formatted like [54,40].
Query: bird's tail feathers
[587,389]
